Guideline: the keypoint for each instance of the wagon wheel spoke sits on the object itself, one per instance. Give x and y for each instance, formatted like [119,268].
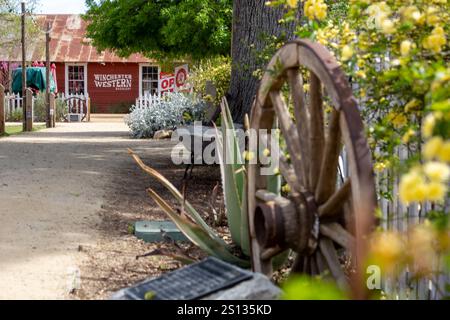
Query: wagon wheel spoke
[269,253]
[316,137]
[335,203]
[320,262]
[314,269]
[332,260]
[289,175]
[295,80]
[330,160]
[338,234]
[286,169]
[289,132]
[306,265]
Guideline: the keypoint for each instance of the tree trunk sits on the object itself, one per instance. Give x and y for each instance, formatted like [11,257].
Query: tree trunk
[253,25]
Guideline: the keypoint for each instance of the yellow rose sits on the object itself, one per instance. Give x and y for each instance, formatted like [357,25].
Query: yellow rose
[408,135]
[436,40]
[347,53]
[444,152]
[432,18]
[405,47]
[436,191]
[315,9]
[428,126]
[411,187]
[387,249]
[397,119]
[387,26]
[432,148]
[437,171]
[292,3]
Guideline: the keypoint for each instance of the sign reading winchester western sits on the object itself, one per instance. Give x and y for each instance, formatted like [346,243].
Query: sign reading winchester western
[120,82]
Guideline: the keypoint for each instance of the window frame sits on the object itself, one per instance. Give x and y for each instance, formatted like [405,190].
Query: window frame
[141,74]
[85,65]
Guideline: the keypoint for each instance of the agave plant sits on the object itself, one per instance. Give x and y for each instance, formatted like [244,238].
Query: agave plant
[189,221]
[234,183]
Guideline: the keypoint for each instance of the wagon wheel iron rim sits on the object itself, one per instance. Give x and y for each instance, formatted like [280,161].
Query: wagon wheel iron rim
[319,215]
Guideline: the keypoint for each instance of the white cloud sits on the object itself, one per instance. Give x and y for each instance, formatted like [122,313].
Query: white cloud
[61,6]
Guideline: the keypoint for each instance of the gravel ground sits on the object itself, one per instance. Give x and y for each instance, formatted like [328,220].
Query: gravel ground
[68,196]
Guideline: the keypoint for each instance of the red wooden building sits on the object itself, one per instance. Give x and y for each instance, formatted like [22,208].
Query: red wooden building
[112,83]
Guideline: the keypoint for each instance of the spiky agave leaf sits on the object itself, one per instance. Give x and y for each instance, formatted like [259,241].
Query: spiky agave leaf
[197,235]
[233,180]
[176,193]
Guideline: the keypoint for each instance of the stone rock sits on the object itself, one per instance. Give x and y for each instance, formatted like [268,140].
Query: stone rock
[258,288]
[163,134]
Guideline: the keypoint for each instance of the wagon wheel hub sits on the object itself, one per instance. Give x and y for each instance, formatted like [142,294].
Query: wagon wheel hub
[288,223]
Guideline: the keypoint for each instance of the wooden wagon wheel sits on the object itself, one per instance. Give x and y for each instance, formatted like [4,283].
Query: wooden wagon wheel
[327,213]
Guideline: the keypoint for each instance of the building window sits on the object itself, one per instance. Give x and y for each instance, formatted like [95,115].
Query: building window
[149,79]
[76,82]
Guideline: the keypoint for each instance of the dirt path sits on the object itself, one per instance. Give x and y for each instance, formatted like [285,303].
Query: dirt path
[53,185]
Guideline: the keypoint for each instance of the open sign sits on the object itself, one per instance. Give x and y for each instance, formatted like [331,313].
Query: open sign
[166,82]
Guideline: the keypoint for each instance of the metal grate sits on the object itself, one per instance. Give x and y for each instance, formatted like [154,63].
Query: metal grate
[192,282]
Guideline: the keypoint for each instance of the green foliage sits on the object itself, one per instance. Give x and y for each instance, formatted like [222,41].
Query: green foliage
[122,107]
[10,24]
[233,180]
[161,29]
[216,69]
[15,116]
[311,288]
[40,108]
[190,223]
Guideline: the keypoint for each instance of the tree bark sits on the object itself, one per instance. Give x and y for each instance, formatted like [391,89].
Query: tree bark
[253,24]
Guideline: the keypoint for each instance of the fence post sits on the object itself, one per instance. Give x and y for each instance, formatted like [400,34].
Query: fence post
[29,110]
[89,109]
[2,110]
[52,110]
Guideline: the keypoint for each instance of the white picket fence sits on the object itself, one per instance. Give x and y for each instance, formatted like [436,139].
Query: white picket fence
[78,105]
[13,104]
[147,100]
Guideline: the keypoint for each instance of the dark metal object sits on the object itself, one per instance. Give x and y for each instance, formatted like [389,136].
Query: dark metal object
[192,282]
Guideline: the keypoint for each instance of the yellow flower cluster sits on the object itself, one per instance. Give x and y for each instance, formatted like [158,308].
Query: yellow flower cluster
[399,120]
[292,3]
[315,9]
[425,184]
[436,40]
[379,17]
[419,248]
[437,148]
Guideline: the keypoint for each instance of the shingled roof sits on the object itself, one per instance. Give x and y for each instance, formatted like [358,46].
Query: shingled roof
[68,43]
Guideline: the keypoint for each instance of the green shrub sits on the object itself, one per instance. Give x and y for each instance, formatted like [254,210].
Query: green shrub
[217,70]
[122,107]
[15,116]
[60,109]
[40,107]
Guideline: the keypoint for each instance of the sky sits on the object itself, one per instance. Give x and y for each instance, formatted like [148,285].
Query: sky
[61,6]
